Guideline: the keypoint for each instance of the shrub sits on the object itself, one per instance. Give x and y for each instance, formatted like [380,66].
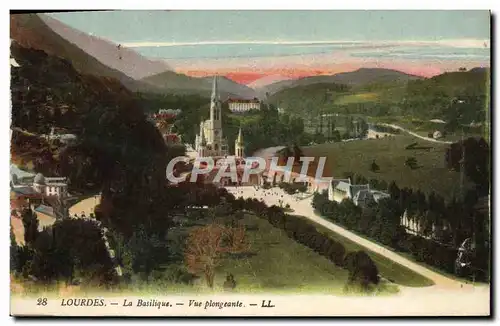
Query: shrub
[362,269]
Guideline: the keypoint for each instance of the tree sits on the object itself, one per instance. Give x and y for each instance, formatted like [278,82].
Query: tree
[332,130]
[206,246]
[319,138]
[14,258]
[374,166]
[286,153]
[362,269]
[411,162]
[363,128]
[336,137]
[297,152]
[30,223]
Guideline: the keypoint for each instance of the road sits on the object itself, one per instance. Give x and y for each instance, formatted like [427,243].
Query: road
[415,134]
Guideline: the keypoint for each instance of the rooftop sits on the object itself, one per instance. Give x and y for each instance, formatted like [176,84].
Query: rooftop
[14,169]
[25,190]
[47,210]
[237,100]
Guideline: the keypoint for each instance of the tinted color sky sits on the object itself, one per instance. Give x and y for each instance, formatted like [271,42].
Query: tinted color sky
[249,45]
[186,26]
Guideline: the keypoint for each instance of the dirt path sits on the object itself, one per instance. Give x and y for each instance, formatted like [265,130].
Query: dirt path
[415,134]
[85,206]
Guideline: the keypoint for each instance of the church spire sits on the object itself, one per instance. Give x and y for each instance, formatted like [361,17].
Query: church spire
[238,145]
[239,140]
[203,140]
[215,91]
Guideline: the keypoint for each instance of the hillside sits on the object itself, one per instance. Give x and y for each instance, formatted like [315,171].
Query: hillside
[431,98]
[113,133]
[427,99]
[110,54]
[173,82]
[29,31]
[307,100]
[232,87]
[261,83]
[360,77]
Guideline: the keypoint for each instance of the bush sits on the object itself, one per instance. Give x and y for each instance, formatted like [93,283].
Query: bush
[336,253]
[362,269]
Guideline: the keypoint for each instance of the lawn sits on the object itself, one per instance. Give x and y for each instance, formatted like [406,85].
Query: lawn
[389,269]
[390,155]
[278,264]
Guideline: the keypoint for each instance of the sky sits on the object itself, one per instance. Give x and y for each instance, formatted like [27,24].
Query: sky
[248,45]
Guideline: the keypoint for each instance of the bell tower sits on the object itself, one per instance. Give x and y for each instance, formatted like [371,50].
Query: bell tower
[215,136]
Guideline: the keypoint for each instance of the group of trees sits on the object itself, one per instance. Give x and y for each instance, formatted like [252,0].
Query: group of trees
[381,222]
[351,128]
[442,226]
[268,128]
[118,153]
[70,250]
[423,98]
[475,163]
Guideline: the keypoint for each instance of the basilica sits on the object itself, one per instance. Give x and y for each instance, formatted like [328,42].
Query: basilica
[210,140]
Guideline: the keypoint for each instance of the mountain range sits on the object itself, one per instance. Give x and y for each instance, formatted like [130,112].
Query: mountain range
[92,55]
[30,31]
[95,56]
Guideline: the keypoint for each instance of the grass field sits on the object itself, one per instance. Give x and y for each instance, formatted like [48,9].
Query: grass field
[390,155]
[278,264]
[387,268]
[357,98]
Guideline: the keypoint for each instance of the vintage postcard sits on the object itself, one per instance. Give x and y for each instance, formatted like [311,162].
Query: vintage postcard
[250,163]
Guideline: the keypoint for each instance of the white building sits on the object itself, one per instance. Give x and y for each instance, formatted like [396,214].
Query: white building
[240,106]
[210,141]
[361,195]
[340,189]
[51,186]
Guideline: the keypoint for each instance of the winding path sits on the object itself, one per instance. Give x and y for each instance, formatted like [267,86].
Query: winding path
[415,134]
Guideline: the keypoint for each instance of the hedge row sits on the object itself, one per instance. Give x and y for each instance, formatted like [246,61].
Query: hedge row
[304,233]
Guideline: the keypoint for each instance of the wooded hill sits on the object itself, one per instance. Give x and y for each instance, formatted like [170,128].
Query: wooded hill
[421,98]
